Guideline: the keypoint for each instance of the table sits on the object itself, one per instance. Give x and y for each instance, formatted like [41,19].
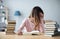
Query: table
[14,36]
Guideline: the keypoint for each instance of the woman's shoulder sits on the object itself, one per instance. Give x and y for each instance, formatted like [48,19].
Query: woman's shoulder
[26,19]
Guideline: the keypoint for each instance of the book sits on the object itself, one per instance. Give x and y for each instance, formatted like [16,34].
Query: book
[11,26]
[31,33]
[50,22]
[51,34]
[10,29]
[49,31]
[11,22]
[50,25]
[48,35]
[9,33]
[49,28]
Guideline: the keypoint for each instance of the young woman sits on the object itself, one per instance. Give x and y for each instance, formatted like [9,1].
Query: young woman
[34,22]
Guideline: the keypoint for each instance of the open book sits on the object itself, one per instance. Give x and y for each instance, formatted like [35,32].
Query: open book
[31,33]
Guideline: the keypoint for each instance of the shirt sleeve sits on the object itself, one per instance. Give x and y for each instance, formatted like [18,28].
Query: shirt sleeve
[22,25]
[41,26]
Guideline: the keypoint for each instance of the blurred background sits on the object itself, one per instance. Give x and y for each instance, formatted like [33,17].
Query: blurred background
[51,9]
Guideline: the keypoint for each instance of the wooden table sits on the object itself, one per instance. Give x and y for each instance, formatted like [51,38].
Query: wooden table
[4,36]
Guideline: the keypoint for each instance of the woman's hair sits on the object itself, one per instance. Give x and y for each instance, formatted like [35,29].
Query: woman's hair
[36,15]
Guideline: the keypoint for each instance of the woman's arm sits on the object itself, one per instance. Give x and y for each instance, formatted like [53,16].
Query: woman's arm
[21,27]
[41,26]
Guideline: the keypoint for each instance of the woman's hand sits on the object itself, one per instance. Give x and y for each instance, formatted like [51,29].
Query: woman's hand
[20,33]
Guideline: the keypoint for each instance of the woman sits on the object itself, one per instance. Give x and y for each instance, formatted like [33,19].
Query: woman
[34,22]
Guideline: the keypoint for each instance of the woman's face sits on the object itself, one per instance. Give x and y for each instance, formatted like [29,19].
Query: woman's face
[41,15]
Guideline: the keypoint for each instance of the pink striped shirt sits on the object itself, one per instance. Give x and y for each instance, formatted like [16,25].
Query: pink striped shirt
[29,26]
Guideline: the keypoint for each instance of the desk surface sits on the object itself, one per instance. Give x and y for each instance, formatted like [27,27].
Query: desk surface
[4,36]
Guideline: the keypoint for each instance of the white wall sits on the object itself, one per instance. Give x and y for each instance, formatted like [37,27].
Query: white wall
[50,8]
[59,10]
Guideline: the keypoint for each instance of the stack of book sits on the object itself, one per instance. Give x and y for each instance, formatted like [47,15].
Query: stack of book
[50,27]
[10,27]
